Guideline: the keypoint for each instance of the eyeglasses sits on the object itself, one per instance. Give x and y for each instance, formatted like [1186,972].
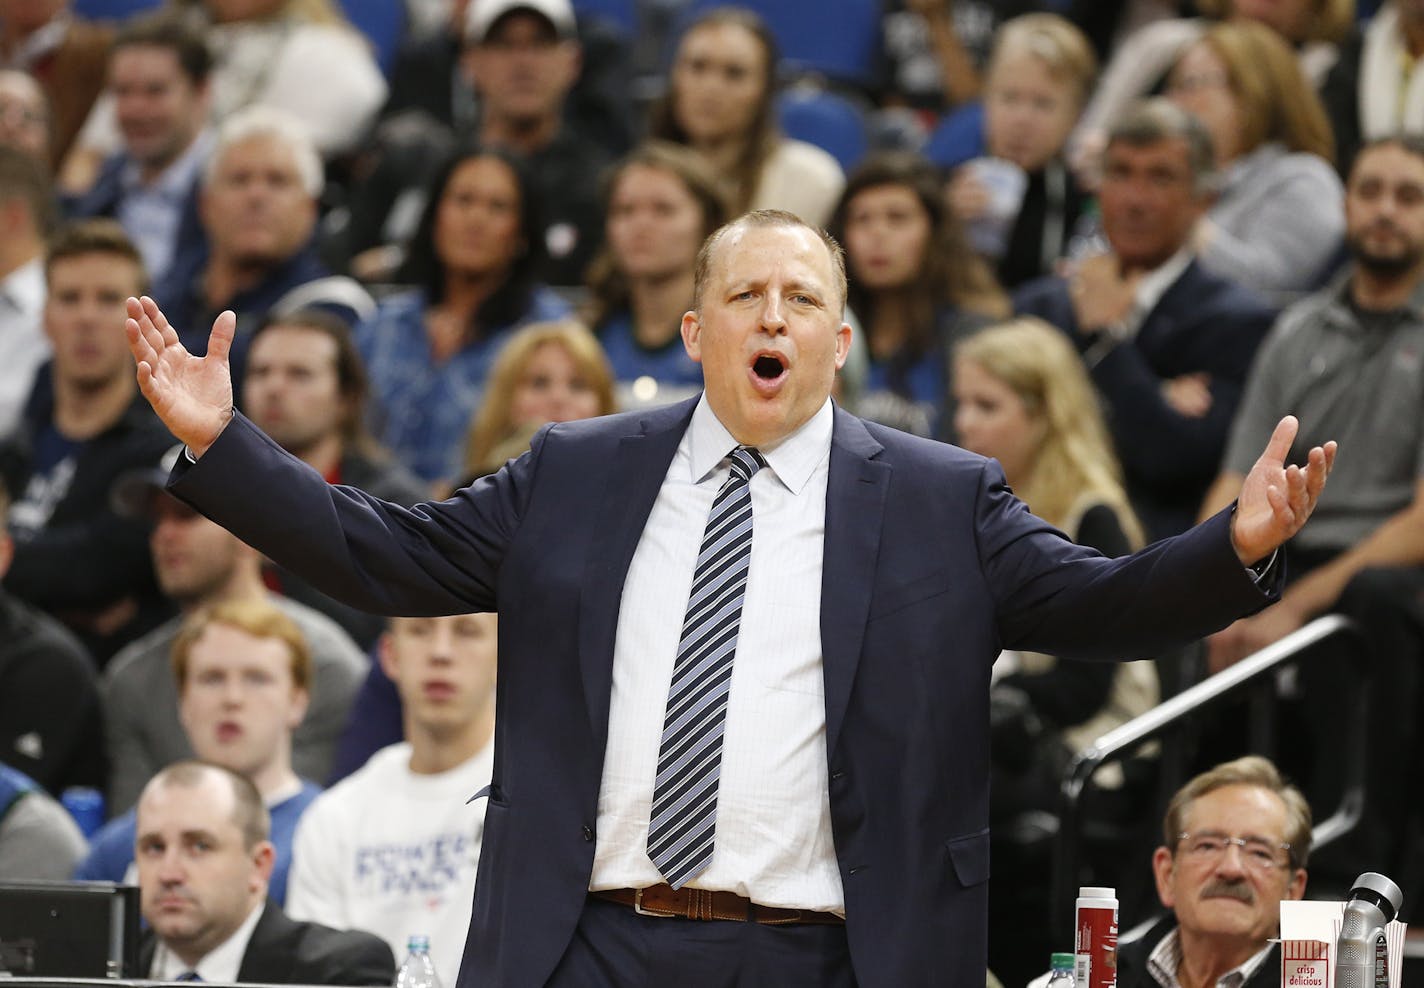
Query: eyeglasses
[1256,852]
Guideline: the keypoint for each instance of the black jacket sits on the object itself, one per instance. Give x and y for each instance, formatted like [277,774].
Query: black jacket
[283,951]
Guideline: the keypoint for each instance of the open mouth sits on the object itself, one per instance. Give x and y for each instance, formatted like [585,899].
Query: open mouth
[769,366]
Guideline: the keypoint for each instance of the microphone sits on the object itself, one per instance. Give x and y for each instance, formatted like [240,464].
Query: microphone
[1363,949]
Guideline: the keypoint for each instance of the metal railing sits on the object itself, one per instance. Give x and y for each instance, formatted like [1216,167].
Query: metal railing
[1254,673]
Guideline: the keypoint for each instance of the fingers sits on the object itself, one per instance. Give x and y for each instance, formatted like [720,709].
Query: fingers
[142,350]
[1281,439]
[159,320]
[144,326]
[224,329]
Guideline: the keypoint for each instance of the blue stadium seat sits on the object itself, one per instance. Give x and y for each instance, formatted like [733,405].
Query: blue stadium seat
[623,14]
[826,119]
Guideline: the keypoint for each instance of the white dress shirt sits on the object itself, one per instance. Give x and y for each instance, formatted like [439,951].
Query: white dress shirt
[220,964]
[23,344]
[773,841]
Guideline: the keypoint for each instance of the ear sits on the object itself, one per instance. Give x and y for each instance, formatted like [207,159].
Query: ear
[301,699]
[573,62]
[692,335]
[264,859]
[386,655]
[843,340]
[1296,888]
[7,552]
[1163,866]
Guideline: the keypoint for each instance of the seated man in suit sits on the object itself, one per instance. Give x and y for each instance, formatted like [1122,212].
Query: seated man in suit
[1168,343]
[1235,843]
[204,862]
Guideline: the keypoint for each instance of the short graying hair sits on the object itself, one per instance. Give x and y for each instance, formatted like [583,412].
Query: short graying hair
[1155,120]
[249,812]
[766,218]
[268,121]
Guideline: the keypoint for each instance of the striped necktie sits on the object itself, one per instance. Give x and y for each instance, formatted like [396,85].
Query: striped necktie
[684,812]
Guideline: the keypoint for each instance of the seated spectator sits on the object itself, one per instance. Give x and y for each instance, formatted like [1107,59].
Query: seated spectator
[1373,89]
[1023,397]
[429,350]
[158,80]
[49,693]
[38,838]
[306,388]
[258,206]
[1345,362]
[721,102]
[24,116]
[84,424]
[298,56]
[547,372]
[523,60]
[1167,342]
[26,211]
[1276,222]
[915,287]
[205,864]
[1038,79]
[1318,31]
[244,675]
[663,201]
[1235,843]
[66,54]
[393,849]
[201,565]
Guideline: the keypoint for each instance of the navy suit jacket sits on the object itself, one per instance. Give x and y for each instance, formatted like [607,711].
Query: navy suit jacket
[931,566]
[1203,323]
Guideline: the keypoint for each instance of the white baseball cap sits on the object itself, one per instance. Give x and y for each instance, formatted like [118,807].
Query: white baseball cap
[483,14]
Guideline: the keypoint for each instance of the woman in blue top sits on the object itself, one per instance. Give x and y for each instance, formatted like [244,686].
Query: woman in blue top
[428,350]
[915,286]
[662,200]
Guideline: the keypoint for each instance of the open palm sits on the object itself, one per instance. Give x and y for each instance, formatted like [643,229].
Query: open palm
[192,395]
[1276,499]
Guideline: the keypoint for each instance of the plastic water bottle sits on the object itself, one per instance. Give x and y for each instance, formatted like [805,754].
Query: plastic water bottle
[418,970]
[1062,976]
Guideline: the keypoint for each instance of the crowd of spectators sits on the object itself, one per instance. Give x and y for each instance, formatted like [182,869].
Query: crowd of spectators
[1107,243]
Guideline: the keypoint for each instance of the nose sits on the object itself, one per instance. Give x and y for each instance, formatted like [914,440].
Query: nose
[1232,861]
[772,318]
[170,867]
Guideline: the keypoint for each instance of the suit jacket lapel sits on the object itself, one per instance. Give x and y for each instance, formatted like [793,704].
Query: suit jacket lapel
[855,500]
[265,961]
[634,480]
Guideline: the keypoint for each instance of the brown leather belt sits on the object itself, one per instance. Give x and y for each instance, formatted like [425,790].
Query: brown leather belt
[689,903]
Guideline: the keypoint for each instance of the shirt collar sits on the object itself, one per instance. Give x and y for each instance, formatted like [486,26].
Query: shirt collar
[1154,283]
[793,459]
[221,964]
[1166,959]
[175,181]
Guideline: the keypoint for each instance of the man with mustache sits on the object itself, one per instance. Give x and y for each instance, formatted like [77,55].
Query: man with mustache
[1349,363]
[1235,843]
[204,863]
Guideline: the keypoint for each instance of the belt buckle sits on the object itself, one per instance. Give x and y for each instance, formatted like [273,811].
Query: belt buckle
[641,911]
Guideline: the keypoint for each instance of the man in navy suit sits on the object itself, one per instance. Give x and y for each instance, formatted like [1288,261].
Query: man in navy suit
[885,573]
[1167,342]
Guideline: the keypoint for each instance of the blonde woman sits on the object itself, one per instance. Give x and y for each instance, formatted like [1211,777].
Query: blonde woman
[1279,215]
[547,372]
[1023,397]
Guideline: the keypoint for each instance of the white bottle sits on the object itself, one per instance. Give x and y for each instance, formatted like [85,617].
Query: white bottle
[418,970]
[1095,923]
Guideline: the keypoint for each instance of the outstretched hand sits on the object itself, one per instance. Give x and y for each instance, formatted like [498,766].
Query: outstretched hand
[1276,499]
[192,395]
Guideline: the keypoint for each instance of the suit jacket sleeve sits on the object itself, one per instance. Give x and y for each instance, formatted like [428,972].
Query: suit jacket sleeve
[435,558]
